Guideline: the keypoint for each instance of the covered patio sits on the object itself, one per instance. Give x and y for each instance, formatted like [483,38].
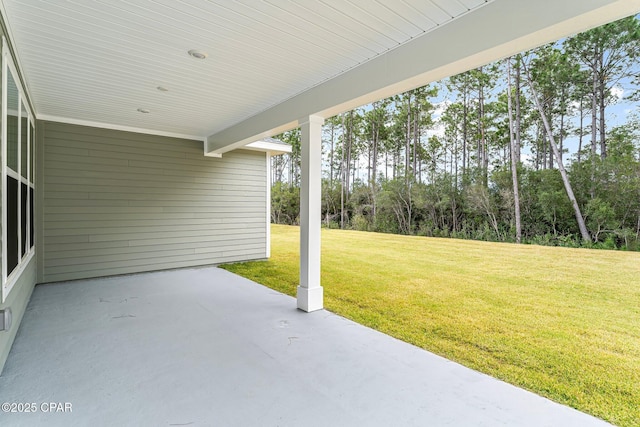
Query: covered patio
[133,141]
[204,347]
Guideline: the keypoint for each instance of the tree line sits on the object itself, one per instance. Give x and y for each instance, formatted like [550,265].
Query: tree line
[525,149]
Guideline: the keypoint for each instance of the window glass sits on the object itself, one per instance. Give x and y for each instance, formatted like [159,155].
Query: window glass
[12,123]
[24,130]
[32,138]
[12,224]
[23,218]
[31,216]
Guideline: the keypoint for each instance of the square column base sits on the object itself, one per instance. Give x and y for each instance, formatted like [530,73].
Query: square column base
[310,299]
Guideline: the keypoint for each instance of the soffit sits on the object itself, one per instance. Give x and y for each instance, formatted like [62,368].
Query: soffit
[99,61]
[489,33]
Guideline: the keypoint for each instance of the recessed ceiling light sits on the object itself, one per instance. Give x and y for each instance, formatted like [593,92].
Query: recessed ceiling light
[162,89]
[144,110]
[198,54]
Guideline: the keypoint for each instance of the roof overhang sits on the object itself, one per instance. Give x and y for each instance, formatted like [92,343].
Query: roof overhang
[124,65]
[497,30]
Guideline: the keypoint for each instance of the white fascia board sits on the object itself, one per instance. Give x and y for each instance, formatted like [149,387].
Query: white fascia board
[227,140]
[101,125]
[272,148]
[489,33]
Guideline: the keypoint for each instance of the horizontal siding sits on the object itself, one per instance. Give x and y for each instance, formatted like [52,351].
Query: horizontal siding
[120,202]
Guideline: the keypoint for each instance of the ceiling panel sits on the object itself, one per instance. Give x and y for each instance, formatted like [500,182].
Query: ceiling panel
[436,13]
[471,4]
[331,21]
[100,61]
[417,16]
[452,8]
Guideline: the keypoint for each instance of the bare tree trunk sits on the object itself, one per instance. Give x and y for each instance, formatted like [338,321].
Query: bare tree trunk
[342,176]
[369,157]
[594,109]
[544,151]
[465,133]
[518,111]
[374,170]
[349,143]
[550,152]
[594,124]
[479,154]
[374,154]
[562,114]
[483,140]
[386,165]
[514,160]
[455,145]
[602,101]
[581,129]
[331,156]
[290,168]
[355,170]
[407,152]
[416,115]
[563,173]
[394,164]
[416,153]
[538,139]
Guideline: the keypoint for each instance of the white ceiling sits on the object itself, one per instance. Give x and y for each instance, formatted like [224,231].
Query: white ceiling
[270,61]
[100,61]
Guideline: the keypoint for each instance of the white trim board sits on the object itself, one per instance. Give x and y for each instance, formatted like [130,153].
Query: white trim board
[272,148]
[101,125]
[9,68]
[263,146]
[4,288]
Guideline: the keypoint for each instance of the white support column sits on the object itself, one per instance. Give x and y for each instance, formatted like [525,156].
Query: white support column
[310,295]
[268,203]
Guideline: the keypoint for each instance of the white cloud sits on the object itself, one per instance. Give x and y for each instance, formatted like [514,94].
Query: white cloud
[617,92]
[437,130]
[440,107]
[574,105]
[527,158]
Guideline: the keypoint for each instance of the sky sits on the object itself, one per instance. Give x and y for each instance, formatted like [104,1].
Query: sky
[619,112]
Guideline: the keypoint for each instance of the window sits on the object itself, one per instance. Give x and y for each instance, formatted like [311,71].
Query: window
[18,140]
[12,178]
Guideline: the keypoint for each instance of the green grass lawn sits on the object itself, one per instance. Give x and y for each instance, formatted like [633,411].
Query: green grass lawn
[563,323]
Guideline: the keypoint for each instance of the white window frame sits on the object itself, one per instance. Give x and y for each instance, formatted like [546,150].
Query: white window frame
[9,280]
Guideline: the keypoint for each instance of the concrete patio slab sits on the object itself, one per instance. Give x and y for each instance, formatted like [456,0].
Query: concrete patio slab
[204,347]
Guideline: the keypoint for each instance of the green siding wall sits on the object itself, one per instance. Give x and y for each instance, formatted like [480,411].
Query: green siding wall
[120,202]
